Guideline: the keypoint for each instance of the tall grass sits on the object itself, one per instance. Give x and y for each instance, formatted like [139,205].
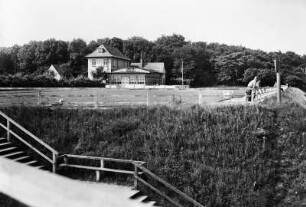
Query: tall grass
[215,155]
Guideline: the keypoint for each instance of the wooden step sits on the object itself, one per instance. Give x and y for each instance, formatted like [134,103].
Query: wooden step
[31,162]
[21,158]
[4,144]
[13,154]
[2,139]
[7,149]
[140,198]
[39,167]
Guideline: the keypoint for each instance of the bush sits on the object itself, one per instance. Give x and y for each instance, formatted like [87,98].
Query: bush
[45,81]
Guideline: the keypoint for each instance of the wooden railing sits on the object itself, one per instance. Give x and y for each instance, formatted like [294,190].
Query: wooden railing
[166,184]
[97,164]
[10,123]
[137,173]
[265,92]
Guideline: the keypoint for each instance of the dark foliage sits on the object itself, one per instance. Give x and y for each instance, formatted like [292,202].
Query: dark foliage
[204,64]
[45,81]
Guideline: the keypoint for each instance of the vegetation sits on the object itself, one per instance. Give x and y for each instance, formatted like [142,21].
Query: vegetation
[46,81]
[205,64]
[227,156]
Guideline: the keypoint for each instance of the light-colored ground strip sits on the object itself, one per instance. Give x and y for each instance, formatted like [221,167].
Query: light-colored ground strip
[39,188]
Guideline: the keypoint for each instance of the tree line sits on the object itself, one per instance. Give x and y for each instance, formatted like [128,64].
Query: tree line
[205,64]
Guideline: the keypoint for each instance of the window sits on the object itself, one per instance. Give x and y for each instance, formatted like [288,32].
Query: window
[93,62]
[101,50]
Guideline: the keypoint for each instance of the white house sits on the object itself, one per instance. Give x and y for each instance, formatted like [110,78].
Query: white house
[54,73]
[108,58]
[120,70]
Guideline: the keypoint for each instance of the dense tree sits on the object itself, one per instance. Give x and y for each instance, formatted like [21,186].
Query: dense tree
[135,46]
[113,42]
[51,52]
[164,48]
[26,57]
[6,63]
[204,64]
[77,49]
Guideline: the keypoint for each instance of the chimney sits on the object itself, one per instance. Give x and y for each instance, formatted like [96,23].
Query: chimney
[141,60]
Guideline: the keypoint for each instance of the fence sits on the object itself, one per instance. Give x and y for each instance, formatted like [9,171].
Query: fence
[101,97]
[98,164]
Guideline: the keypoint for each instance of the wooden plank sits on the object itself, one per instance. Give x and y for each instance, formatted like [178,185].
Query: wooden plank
[29,133]
[7,149]
[98,168]
[159,192]
[103,158]
[145,170]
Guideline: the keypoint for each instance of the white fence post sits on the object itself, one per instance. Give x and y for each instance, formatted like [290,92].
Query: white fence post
[148,101]
[96,100]
[200,97]
[39,98]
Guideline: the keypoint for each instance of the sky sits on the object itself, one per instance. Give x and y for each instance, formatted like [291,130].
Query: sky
[269,25]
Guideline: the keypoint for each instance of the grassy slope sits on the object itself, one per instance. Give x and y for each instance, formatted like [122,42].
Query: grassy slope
[215,155]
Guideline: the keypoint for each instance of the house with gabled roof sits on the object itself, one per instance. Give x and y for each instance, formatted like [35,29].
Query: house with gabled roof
[107,58]
[120,70]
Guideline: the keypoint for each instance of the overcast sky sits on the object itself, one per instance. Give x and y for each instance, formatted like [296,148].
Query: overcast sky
[269,25]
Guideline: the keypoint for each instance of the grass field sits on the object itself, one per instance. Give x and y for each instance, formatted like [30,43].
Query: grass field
[86,97]
[217,155]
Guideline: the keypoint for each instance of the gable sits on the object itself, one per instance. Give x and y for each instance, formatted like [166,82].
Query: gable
[106,51]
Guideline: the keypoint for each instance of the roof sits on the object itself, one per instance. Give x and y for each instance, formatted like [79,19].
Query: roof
[157,67]
[107,52]
[131,70]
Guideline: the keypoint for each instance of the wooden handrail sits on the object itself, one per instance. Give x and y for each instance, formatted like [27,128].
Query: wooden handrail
[29,133]
[52,160]
[101,158]
[137,165]
[145,170]
[159,192]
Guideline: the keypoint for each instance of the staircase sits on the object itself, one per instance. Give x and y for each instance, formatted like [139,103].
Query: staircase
[14,133]
[10,151]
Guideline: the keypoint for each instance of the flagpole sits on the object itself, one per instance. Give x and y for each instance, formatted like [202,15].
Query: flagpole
[182,71]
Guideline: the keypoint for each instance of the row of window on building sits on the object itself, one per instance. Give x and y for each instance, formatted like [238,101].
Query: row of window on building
[134,79]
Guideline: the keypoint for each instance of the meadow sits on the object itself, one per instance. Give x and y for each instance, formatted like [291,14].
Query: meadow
[221,156]
[87,97]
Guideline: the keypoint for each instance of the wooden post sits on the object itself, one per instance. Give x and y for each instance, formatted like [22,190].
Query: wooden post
[98,173]
[39,98]
[278,79]
[96,100]
[148,101]
[200,97]
[135,176]
[66,160]
[54,164]
[8,125]
[182,72]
